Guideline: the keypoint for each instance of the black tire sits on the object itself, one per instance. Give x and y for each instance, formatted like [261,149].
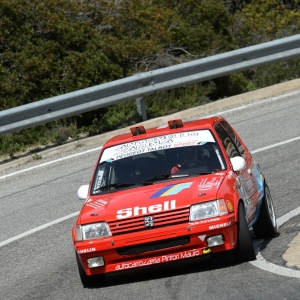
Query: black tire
[244,250]
[92,280]
[266,225]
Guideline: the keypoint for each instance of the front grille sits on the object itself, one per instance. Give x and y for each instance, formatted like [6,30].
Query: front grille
[161,219]
[152,246]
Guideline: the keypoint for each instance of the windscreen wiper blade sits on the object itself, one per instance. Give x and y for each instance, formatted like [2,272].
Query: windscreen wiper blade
[165,177]
[205,173]
[157,178]
[114,185]
[187,174]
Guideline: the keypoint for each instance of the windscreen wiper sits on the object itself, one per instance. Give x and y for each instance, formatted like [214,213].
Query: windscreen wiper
[157,178]
[165,177]
[186,174]
[114,185]
[205,173]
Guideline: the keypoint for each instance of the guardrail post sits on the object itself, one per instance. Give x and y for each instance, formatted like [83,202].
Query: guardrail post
[141,107]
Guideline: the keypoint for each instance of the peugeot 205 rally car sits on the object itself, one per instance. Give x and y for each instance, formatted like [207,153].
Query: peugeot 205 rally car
[173,192]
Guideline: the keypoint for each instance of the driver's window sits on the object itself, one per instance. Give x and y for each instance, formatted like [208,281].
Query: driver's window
[234,138]
[227,142]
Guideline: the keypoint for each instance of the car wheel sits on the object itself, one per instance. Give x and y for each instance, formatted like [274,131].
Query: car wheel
[92,280]
[244,250]
[266,225]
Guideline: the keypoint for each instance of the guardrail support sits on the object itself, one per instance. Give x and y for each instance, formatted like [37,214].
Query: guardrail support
[141,107]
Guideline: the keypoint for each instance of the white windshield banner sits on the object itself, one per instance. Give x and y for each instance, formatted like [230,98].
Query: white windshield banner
[182,139]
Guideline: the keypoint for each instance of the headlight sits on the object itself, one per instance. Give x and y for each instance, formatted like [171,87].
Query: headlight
[92,231]
[208,210]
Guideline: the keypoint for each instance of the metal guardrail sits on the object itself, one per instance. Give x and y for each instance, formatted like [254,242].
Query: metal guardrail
[147,83]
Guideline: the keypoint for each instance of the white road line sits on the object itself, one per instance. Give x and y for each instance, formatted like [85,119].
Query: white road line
[282,220]
[17,237]
[245,106]
[276,145]
[262,264]
[50,162]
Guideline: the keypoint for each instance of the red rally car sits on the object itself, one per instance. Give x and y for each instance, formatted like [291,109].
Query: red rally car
[168,193]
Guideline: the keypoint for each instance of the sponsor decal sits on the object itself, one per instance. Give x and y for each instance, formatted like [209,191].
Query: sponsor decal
[185,144]
[144,210]
[136,264]
[207,185]
[171,189]
[259,179]
[218,226]
[157,260]
[157,143]
[142,146]
[202,237]
[202,194]
[88,250]
[249,185]
[181,255]
[109,160]
[97,204]
[241,189]
[94,214]
[205,221]
[190,143]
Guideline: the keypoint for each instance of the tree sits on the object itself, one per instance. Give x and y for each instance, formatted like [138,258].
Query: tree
[45,51]
[265,20]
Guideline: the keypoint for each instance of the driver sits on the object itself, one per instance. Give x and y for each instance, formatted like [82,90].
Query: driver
[189,155]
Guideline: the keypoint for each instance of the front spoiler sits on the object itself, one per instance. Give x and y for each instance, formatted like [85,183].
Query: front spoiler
[195,248]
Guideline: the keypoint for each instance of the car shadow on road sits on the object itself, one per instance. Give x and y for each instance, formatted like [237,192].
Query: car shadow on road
[201,264]
[171,269]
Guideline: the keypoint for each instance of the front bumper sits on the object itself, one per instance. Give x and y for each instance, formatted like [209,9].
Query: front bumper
[156,246]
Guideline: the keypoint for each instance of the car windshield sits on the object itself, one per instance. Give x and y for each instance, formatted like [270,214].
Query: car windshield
[157,159]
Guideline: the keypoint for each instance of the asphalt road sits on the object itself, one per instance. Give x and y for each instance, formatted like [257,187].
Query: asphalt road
[38,204]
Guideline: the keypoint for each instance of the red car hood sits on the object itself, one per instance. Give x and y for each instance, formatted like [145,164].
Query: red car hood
[149,199]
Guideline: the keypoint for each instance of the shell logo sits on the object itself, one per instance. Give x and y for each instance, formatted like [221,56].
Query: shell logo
[229,205]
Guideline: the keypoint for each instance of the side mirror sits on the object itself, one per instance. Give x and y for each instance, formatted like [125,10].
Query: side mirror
[82,192]
[238,163]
